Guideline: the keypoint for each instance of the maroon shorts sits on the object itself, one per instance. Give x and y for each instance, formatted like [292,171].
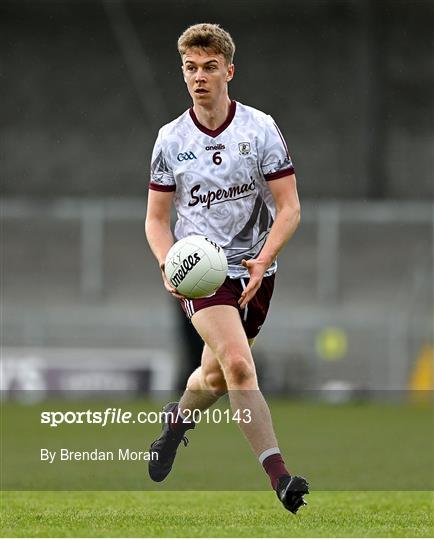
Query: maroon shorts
[252,316]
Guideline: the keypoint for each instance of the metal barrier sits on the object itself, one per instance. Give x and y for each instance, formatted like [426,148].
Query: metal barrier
[340,314]
[328,217]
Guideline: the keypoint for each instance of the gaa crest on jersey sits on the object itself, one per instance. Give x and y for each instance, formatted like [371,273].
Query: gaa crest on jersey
[244,148]
[185,156]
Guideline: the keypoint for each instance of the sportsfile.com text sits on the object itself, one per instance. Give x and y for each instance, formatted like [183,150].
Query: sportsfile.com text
[113,415]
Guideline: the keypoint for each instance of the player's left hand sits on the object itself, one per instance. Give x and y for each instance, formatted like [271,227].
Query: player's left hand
[256,270]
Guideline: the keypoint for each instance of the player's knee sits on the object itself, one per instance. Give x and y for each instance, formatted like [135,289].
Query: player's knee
[239,370]
[194,380]
[216,383]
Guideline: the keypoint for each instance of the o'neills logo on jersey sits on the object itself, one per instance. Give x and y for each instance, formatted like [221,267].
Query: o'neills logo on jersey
[216,147]
[187,264]
[218,196]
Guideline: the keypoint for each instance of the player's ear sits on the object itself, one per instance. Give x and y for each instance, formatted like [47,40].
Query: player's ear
[183,73]
[230,73]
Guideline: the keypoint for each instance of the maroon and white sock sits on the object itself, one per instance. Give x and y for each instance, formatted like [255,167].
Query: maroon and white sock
[273,464]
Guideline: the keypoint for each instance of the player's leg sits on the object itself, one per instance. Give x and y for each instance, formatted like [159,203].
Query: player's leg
[205,385]
[221,328]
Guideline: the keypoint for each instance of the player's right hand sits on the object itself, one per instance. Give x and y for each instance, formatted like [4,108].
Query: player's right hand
[169,288]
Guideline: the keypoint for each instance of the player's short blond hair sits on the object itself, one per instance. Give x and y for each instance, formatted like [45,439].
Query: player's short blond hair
[207,36]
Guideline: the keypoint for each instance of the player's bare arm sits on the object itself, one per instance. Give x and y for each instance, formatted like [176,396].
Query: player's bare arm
[158,232]
[284,191]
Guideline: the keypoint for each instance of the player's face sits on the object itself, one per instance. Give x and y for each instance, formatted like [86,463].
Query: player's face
[207,75]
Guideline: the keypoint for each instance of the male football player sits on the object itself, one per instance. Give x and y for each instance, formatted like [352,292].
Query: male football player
[226,169]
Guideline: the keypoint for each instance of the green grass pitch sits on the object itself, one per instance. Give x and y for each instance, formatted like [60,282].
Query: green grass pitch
[218,514]
[370,467]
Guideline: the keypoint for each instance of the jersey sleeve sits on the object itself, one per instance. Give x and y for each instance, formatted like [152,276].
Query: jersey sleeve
[276,161]
[162,178]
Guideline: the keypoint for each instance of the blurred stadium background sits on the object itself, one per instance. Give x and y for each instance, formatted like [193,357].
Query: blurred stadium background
[85,87]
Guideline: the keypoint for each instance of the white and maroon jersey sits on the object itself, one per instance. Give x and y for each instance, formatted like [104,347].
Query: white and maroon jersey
[220,179]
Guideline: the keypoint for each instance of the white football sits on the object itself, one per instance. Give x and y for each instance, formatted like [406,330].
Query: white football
[196,266]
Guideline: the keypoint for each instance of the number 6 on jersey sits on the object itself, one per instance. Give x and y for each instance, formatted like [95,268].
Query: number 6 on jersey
[216,157]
